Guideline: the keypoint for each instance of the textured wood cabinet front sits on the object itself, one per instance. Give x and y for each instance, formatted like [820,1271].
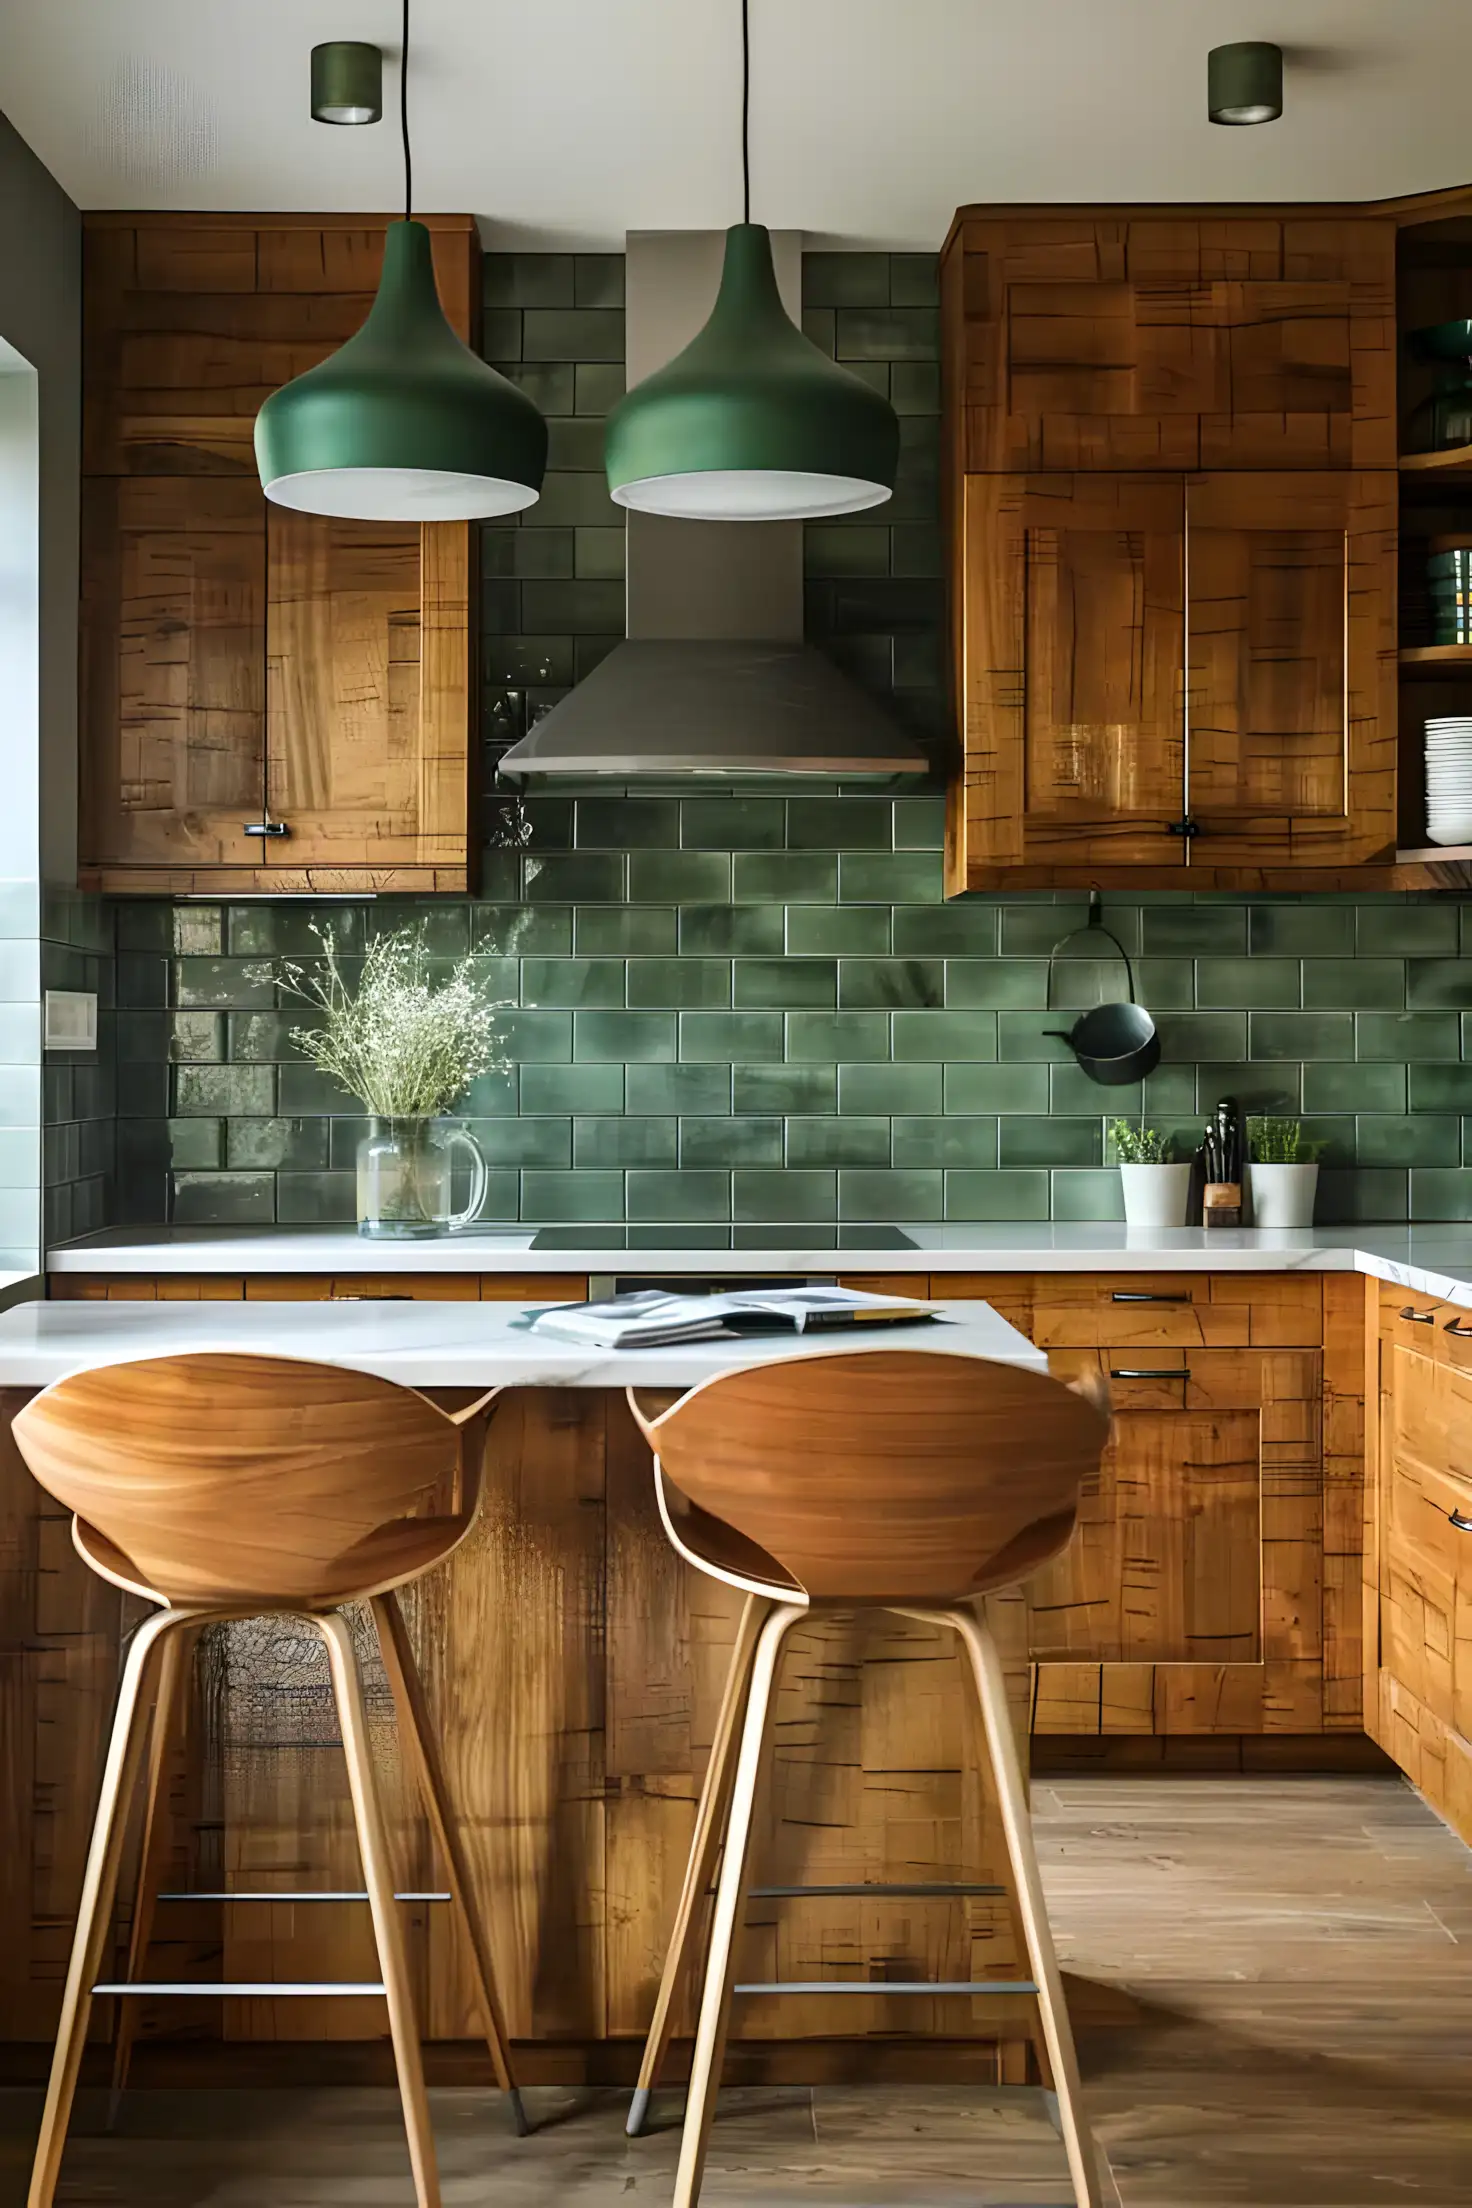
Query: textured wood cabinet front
[241,661]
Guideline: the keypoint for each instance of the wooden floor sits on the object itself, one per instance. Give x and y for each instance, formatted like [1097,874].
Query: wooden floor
[1273,1981]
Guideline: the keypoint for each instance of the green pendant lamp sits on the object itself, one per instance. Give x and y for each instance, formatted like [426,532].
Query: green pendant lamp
[403,422]
[751,422]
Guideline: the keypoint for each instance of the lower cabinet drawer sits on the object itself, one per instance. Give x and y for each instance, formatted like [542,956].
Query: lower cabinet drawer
[1426,1589]
[1218,1310]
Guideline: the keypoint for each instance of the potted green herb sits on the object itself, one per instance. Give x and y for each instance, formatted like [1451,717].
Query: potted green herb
[1282,1173]
[1155,1188]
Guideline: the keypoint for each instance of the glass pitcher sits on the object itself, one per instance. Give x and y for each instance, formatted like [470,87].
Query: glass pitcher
[404,1174]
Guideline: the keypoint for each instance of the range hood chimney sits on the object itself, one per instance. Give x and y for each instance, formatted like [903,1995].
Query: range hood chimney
[714,679]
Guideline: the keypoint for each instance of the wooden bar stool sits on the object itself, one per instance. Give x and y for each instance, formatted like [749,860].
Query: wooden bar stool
[908,1481]
[226,1487]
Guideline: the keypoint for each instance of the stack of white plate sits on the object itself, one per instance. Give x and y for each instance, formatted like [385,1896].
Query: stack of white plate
[1449,778]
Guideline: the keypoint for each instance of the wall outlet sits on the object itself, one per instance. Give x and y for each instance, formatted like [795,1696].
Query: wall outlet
[70,1020]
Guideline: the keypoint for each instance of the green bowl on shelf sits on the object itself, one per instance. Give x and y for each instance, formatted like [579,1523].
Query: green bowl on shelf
[1444,340]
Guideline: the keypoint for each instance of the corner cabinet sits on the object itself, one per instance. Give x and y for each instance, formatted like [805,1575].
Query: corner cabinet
[244,667]
[1173,527]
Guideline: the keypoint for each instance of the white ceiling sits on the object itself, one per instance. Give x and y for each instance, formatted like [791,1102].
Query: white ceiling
[568,122]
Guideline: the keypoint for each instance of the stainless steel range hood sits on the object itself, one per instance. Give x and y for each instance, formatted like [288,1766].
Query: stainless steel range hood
[714,681]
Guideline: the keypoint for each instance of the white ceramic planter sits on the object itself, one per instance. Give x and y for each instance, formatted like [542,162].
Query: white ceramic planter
[1282,1195]
[1155,1195]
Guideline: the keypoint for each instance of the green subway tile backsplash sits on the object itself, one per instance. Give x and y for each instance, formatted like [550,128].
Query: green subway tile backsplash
[735,1009]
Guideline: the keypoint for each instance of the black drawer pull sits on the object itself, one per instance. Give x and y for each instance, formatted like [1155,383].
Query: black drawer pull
[1149,1372]
[1455,1518]
[1419,1318]
[1144,1295]
[1455,1326]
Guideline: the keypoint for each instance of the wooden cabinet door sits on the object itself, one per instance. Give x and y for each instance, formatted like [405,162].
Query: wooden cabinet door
[1071,640]
[1139,338]
[1290,650]
[1189,1600]
[1422,1714]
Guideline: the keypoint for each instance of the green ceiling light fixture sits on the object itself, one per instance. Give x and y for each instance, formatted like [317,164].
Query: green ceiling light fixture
[403,422]
[347,82]
[751,422]
[1244,83]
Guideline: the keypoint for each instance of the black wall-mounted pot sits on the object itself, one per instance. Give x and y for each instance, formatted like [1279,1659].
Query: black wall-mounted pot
[1114,1043]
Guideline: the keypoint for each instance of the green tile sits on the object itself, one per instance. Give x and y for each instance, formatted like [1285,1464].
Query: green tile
[720,930]
[199,930]
[197,1036]
[556,1199]
[886,1089]
[1271,1087]
[575,333]
[915,1193]
[635,930]
[1441,1195]
[689,877]
[224,983]
[517,552]
[840,823]
[735,1038]
[1214,931]
[1000,1196]
[619,1142]
[1350,1198]
[1196,1035]
[891,983]
[201,1143]
[831,930]
[543,1035]
[1408,1035]
[914,280]
[998,1088]
[890,877]
[598,280]
[827,1037]
[144,925]
[628,823]
[1049,1142]
[784,877]
[1088,1195]
[919,823]
[573,441]
[833,1142]
[1423,1139]
[1301,931]
[730,1142]
[494,1095]
[680,984]
[846,280]
[596,552]
[1356,984]
[735,823]
[224,1199]
[1335,1138]
[957,1142]
[678,1089]
[833,550]
[551,385]
[572,982]
[887,333]
[678,1195]
[230,1091]
[571,1089]
[528,279]
[933,931]
[289,931]
[573,877]
[264,1144]
[944,1036]
[442,926]
[1434,983]
[316,1199]
[1032,930]
[997,984]
[301,1088]
[786,1196]
[1346,1088]
[784,1089]
[785,984]
[1407,931]
[624,1035]
[1440,1088]
[598,386]
[524,1142]
[535,931]
[914,387]
[1253,984]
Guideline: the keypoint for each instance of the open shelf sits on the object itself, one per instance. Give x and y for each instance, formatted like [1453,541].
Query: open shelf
[1434,659]
[1454,460]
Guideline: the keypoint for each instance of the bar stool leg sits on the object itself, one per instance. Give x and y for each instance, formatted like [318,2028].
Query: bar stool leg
[418,1737]
[99,1884]
[991,1688]
[378,1878]
[174,1657]
[715,2002]
[704,1848]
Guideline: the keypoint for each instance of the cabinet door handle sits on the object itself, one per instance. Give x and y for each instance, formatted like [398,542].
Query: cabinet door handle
[265,828]
[1455,1326]
[1150,1372]
[1419,1318]
[1145,1295]
[1455,1518]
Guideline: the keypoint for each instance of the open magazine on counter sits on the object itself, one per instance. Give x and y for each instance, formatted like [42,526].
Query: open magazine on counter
[649,1318]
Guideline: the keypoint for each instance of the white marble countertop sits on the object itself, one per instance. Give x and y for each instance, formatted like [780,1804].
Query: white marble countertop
[1434,1259]
[443,1345]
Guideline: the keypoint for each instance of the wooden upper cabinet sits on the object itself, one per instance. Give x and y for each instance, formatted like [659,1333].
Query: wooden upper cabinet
[236,655]
[1155,341]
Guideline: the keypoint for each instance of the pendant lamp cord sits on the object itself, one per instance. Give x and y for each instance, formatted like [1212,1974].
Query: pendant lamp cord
[745,109]
[404,114]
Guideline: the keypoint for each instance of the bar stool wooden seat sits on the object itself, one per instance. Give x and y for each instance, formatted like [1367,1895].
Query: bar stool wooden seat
[909,1481]
[225,1487]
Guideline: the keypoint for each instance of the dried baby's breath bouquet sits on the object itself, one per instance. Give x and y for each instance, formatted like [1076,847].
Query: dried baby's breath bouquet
[404,1042]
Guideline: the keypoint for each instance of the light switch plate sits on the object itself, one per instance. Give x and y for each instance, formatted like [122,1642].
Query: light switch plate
[70,1020]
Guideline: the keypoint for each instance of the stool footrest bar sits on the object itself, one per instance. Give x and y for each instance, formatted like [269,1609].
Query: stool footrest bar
[269,1990]
[887,1985]
[253,1895]
[915,1893]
